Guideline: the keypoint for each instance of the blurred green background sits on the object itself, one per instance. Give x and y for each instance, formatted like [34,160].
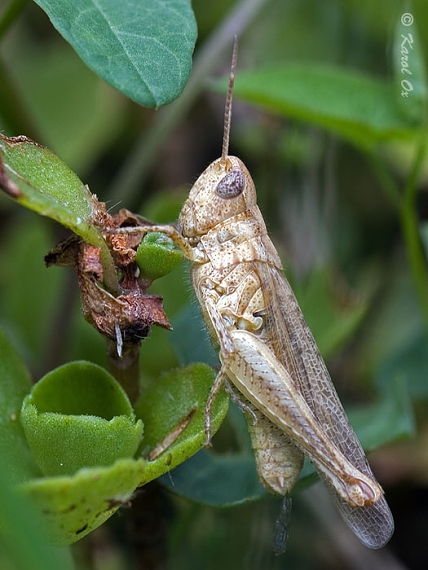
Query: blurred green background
[327,203]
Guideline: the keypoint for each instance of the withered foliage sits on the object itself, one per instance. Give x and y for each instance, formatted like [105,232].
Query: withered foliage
[127,317]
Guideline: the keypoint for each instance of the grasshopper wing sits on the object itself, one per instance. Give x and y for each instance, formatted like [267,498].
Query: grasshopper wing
[291,340]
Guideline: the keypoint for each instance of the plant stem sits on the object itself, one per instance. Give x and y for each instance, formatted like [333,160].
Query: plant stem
[125,368]
[387,182]
[406,207]
[109,270]
[137,168]
[410,225]
[10,14]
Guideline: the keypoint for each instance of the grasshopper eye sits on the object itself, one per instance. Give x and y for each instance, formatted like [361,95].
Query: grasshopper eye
[232,185]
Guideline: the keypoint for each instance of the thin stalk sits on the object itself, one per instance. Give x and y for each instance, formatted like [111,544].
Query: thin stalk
[387,182]
[109,270]
[410,225]
[406,206]
[125,368]
[137,168]
[8,17]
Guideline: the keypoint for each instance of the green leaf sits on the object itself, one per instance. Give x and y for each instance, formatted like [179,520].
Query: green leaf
[23,542]
[46,185]
[187,390]
[354,106]
[79,416]
[217,480]
[220,479]
[144,49]
[14,386]
[74,506]
[40,181]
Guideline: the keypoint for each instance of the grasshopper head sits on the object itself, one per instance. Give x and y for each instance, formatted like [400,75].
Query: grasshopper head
[223,190]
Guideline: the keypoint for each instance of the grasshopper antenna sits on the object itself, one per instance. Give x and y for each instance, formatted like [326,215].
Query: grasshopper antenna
[228,105]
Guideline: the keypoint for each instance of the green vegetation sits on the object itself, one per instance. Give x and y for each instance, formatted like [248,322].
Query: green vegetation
[103,119]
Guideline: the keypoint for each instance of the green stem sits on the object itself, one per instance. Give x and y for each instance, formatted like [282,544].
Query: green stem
[10,14]
[406,207]
[410,225]
[387,182]
[125,368]
[137,168]
[110,279]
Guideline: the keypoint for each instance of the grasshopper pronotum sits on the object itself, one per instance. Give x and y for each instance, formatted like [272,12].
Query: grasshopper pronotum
[268,355]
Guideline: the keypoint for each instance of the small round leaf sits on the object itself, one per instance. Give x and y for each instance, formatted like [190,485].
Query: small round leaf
[79,416]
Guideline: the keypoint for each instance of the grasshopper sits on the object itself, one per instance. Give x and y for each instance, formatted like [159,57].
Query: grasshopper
[268,355]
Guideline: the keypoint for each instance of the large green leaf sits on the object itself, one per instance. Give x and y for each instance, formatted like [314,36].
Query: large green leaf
[217,480]
[356,107]
[74,506]
[144,49]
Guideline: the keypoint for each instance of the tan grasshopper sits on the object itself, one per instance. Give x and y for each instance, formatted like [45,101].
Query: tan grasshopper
[267,352]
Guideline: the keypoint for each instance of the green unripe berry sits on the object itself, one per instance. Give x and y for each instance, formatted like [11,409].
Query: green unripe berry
[157,255]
